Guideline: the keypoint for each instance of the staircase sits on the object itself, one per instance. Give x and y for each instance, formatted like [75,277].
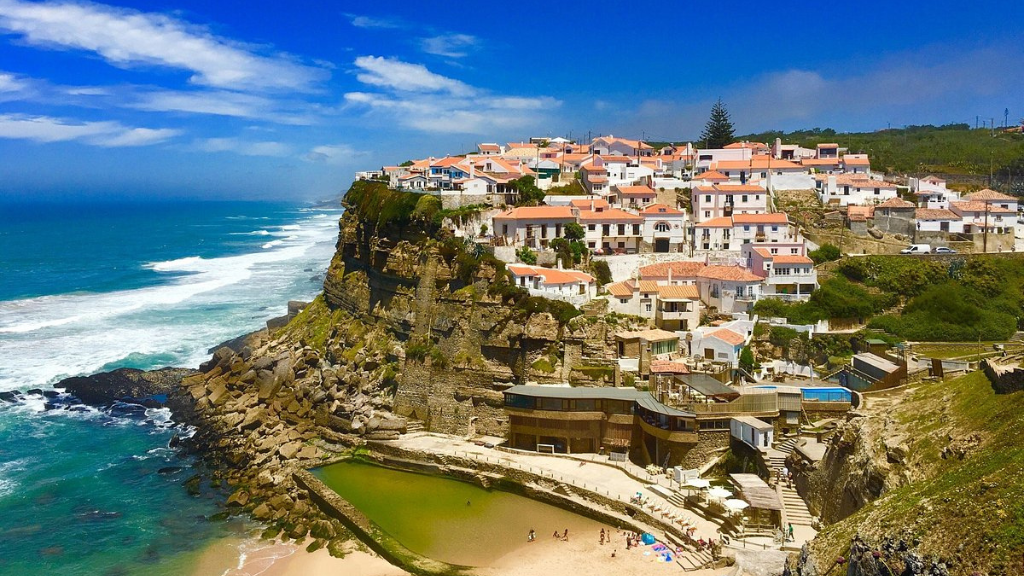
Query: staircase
[412,426]
[797,513]
[690,558]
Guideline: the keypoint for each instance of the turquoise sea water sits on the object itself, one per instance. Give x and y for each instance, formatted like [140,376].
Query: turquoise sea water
[95,287]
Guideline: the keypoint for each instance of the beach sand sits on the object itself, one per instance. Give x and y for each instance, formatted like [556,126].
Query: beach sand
[582,554]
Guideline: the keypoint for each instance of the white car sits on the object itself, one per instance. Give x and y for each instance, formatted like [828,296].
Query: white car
[917,249]
[944,250]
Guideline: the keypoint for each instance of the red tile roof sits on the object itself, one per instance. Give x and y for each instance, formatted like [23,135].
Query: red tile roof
[610,215]
[720,222]
[655,209]
[791,259]
[621,289]
[935,214]
[636,190]
[988,195]
[669,367]
[537,213]
[895,203]
[711,175]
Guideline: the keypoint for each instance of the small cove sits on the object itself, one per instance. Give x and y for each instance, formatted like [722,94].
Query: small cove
[445,519]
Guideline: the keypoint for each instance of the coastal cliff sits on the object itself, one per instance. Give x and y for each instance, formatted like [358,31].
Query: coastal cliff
[414,328]
[922,481]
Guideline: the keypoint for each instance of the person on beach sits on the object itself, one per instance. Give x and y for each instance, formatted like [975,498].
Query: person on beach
[602,536]
[790,531]
[613,553]
[565,536]
[555,535]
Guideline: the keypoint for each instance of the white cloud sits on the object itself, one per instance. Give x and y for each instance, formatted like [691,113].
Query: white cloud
[375,22]
[46,129]
[417,98]
[10,83]
[393,73]
[222,103]
[245,148]
[449,45]
[333,154]
[127,37]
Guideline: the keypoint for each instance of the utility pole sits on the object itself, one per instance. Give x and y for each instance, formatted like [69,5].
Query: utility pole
[985,236]
[1006,117]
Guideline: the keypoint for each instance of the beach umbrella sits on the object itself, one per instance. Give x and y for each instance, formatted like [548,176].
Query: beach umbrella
[735,504]
[698,483]
[719,492]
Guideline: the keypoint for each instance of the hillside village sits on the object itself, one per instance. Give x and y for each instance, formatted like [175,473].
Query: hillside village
[691,236]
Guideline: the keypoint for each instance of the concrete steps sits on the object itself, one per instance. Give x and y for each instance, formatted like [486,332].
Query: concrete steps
[413,426]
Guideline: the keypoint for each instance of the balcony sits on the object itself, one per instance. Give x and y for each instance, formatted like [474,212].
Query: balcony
[679,315]
[677,436]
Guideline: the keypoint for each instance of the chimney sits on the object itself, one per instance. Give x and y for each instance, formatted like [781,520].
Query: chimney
[558,264]
[831,184]
[472,169]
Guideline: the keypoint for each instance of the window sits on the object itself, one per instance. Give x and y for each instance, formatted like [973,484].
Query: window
[707,214]
[590,245]
[661,227]
[543,230]
[744,198]
[707,198]
[606,230]
[876,192]
[622,244]
[504,229]
[591,227]
[846,190]
[746,228]
[774,250]
[757,197]
[622,229]
[636,229]
[647,307]
[794,250]
[775,228]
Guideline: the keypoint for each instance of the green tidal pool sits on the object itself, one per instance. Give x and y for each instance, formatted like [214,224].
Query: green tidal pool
[445,519]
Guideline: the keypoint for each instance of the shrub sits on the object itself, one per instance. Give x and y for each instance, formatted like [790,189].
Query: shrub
[602,273]
[825,253]
[526,255]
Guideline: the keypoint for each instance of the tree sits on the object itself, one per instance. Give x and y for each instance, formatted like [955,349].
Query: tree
[719,130]
[747,361]
[574,231]
[529,193]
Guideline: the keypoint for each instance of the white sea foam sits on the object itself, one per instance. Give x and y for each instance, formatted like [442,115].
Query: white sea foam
[272,243]
[203,302]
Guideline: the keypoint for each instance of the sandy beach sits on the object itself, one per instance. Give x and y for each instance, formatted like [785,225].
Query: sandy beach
[581,554]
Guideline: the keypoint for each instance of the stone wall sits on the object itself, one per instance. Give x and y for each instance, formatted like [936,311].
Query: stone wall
[1005,379]
[710,443]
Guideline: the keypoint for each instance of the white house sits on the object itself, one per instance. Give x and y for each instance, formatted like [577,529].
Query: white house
[787,276]
[634,297]
[998,203]
[728,199]
[978,216]
[856,164]
[664,229]
[567,285]
[533,226]
[847,189]
[612,230]
[938,220]
[753,432]
[611,145]
[721,345]
[728,288]
[763,228]
[635,197]
[678,308]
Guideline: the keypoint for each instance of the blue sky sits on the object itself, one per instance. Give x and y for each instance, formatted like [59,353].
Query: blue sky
[262,100]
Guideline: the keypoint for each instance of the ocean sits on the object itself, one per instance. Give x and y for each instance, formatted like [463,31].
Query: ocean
[92,287]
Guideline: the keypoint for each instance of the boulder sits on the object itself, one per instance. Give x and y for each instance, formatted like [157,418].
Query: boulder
[239,499]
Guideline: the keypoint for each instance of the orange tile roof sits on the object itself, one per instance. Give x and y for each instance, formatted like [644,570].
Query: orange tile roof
[791,259]
[711,175]
[537,212]
[447,161]
[727,336]
[679,268]
[551,276]
[860,211]
[589,204]
[610,215]
[857,180]
[648,286]
[978,206]
[820,161]
[829,145]
[988,194]
[935,214]
[756,163]
[720,222]
[615,159]
[621,289]
[896,203]
[592,168]
[597,179]
[636,190]
[736,145]
[772,218]
[655,209]
[669,367]
[857,161]
[729,273]
[678,292]
[764,252]
[739,188]
[488,147]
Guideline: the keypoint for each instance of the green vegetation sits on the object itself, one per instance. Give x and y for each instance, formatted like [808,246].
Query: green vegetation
[569,251]
[950,149]
[573,188]
[825,253]
[746,360]
[922,300]
[526,255]
[313,325]
[718,132]
[837,297]
[529,193]
[375,202]
[602,273]
[967,458]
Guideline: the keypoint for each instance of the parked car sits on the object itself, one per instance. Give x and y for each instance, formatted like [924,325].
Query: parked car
[917,249]
[944,250]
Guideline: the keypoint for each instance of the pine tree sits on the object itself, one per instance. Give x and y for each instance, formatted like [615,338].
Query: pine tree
[719,131]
